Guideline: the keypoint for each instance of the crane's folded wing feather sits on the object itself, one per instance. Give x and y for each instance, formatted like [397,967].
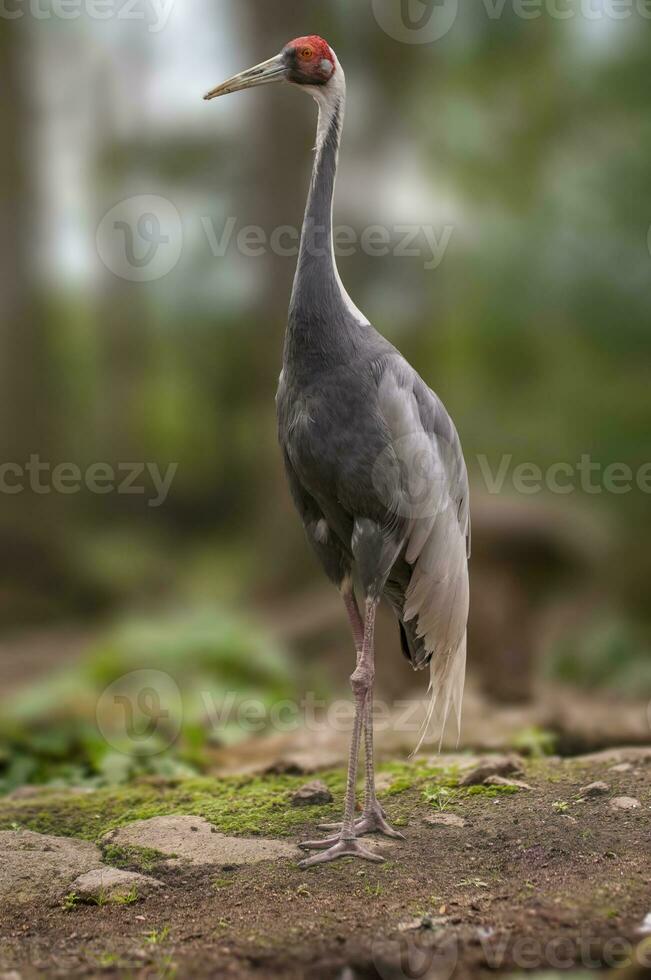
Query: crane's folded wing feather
[423,481]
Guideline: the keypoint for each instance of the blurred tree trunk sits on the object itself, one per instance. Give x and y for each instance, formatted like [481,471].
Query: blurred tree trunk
[28,532]
[24,424]
[123,313]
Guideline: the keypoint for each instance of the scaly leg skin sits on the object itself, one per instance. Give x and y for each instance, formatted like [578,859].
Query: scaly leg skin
[345,845]
[373,818]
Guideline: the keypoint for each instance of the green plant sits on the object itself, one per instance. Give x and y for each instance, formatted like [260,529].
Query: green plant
[129,899]
[70,902]
[440,797]
[222,883]
[374,890]
[107,959]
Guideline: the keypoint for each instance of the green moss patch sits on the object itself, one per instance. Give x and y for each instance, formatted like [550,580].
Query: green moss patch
[132,858]
[239,805]
[242,805]
[236,805]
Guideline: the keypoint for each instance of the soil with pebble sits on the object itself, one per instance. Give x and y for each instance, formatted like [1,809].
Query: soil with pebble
[545,877]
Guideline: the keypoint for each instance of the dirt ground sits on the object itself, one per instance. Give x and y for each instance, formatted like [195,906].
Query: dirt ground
[536,879]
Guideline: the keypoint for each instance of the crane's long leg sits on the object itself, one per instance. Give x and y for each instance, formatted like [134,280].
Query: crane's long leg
[373,818]
[345,844]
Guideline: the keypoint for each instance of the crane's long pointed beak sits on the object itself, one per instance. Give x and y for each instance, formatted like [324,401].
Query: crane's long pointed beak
[274,70]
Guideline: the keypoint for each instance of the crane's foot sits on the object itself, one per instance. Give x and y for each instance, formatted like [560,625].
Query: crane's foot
[372,821]
[336,848]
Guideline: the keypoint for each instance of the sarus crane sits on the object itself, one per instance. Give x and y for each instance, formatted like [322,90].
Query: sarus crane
[373,460]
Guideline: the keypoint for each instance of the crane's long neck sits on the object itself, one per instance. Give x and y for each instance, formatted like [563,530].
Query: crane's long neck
[322,316]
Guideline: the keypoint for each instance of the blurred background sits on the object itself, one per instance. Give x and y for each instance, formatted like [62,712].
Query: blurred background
[144,520]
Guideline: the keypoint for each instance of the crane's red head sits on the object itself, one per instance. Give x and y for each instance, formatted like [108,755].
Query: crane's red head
[310,60]
[304,61]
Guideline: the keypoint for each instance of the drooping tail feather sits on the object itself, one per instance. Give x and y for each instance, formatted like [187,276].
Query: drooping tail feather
[447,680]
[437,602]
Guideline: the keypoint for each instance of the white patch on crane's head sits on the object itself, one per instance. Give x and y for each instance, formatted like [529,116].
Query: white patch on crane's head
[327,67]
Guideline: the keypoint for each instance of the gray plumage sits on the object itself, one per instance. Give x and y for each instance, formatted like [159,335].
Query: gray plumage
[373,460]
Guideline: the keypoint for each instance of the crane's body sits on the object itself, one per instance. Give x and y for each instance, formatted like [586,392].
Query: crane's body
[373,460]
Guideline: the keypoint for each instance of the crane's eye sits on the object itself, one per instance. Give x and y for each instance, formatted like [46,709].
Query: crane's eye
[306,53]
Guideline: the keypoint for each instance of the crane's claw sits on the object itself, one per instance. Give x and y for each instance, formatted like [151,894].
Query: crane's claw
[371,822]
[341,849]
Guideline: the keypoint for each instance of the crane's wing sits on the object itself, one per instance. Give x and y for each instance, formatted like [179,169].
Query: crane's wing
[424,482]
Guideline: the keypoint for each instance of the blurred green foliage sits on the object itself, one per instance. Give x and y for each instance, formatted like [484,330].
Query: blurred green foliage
[609,655]
[531,138]
[535,742]
[52,732]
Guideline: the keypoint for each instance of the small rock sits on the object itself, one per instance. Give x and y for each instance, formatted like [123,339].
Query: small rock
[625,803]
[503,765]
[111,885]
[424,922]
[173,837]
[312,794]
[595,789]
[445,820]
[284,767]
[502,781]
[622,767]
[37,866]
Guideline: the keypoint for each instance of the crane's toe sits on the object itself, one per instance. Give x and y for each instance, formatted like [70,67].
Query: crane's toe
[342,849]
[319,845]
[372,821]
